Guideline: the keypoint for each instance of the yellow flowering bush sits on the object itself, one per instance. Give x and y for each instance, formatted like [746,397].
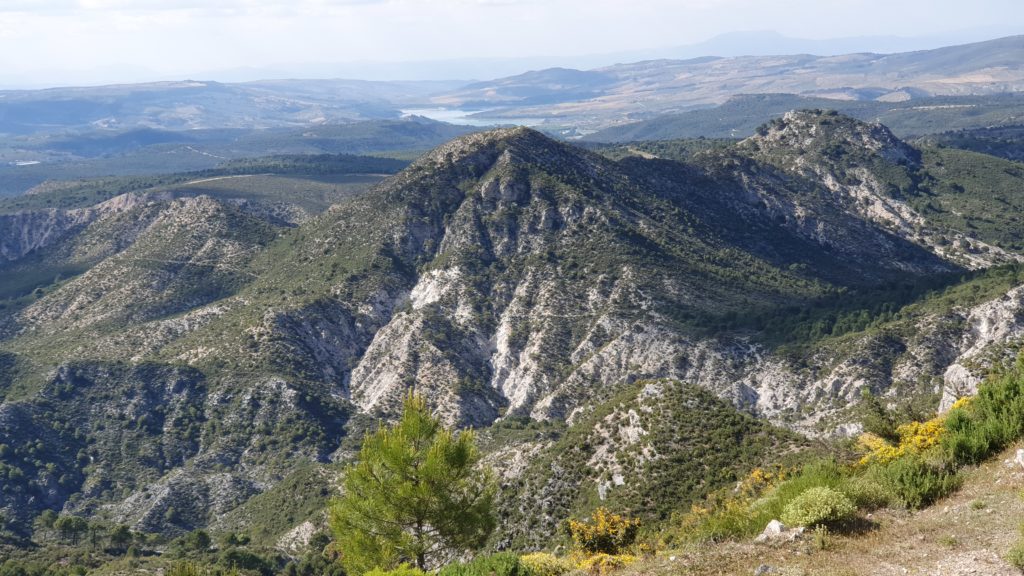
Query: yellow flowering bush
[606,533]
[876,449]
[915,438]
[602,564]
[760,479]
[962,403]
[543,564]
[920,436]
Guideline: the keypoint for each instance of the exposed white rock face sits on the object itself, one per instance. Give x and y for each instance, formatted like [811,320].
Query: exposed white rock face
[296,540]
[862,192]
[24,232]
[143,280]
[190,496]
[990,327]
[869,199]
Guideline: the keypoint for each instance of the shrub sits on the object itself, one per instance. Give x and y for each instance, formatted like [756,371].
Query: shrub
[403,570]
[821,538]
[500,564]
[186,569]
[989,422]
[728,515]
[542,564]
[601,564]
[238,559]
[607,533]
[1016,555]
[198,540]
[917,482]
[966,442]
[870,489]
[820,505]
[913,438]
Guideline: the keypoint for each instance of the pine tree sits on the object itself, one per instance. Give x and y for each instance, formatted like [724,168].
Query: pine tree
[416,495]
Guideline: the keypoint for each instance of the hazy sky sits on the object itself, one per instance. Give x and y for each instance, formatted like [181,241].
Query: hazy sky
[131,39]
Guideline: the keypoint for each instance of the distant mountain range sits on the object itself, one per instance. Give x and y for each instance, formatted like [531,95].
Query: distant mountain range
[641,90]
[190,105]
[738,43]
[739,116]
[554,98]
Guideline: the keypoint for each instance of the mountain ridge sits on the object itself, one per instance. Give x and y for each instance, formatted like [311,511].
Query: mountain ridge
[641,90]
[509,277]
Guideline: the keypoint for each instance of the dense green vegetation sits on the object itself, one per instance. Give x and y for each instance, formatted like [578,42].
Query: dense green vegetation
[1001,141]
[920,467]
[79,194]
[976,193]
[701,444]
[416,495]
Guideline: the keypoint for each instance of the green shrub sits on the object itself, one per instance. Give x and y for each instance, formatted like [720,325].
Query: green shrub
[990,422]
[198,540]
[403,570]
[870,490]
[736,517]
[500,564]
[1016,555]
[917,482]
[542,564]
[965,442]
[238,559]
[819,505]
[186,569]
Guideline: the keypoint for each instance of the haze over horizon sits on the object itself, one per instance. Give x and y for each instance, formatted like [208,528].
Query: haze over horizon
[89,42]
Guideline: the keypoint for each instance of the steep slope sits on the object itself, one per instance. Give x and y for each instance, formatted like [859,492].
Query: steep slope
[968,533]
[872,173]
[504,274]
[508,271]
[653,447]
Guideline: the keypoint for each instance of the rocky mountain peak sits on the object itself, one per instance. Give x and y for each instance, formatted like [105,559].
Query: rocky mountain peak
[483,149]
[831,133]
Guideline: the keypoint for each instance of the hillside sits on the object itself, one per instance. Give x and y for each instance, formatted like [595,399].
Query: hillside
[970,532]
[1002,141]
[607,96]
[740,115]
[193,104]
[213,343]
[26,162]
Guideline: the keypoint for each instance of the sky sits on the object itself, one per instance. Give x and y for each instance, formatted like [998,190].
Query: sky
[63,42]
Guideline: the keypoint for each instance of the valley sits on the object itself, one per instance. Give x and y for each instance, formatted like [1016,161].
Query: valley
[687,295]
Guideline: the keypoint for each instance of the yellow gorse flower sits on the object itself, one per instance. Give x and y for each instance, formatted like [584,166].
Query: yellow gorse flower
[962,403]
[915,438]
[606,532]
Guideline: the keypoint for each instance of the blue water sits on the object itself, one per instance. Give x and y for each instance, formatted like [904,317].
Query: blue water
[463,117]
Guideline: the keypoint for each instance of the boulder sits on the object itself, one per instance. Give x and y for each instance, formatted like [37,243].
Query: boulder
[776,531]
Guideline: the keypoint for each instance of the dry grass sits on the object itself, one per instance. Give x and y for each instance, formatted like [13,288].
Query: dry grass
[953,537]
